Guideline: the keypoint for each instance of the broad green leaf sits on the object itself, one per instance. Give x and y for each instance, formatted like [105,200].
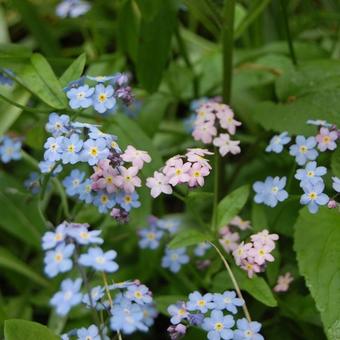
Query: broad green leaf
[231,205]
[9,262]
[16,329]
[40,79]
[4,34]
[164,301]
[148,8]
[279,117]
[74,71]
[257,286]
[335,162]
[258,217]
[154,45]
[317,244]
[189,237]
[9,113]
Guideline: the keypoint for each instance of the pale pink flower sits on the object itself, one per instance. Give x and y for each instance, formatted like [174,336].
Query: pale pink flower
[204,132]
[197,155]
[326,139]
[229,241]
[261,254]
[178,172]
[158,184]
[283,282]
[136,157]
[101,166]
[129,179]
[171,162]
[227,121]
[226,145]
[206,113]
[197,174]
[237,221]
[224,230]
[264,238]
[250,267]
[110,180]
[242,252]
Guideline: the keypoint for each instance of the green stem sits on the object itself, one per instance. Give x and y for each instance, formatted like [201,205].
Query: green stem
[179,196]
[216,188]
[283,4]
[63,197]
[233,280]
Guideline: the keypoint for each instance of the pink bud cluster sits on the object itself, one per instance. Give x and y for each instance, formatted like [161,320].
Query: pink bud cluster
[253,256]
[283,282]
[211,119]
[190,168]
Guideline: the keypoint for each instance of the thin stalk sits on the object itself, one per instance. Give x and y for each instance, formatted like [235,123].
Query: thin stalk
[64,201]
[179,196]
[283,4]
[233,280]
[216,188]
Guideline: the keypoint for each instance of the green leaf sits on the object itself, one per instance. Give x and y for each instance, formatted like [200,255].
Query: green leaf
[154,45]
[258,217]
[317,244]
[10,113]
[231,205]
[256,287]
[74,71]
[16,329]
[189,237]
[4,34]
[40,79]
[335,162]
[148,8]
[9,262]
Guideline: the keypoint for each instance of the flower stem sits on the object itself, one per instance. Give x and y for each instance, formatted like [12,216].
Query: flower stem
[216,188]
[233,280]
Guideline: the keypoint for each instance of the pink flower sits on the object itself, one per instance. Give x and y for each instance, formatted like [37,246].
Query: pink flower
[110,180]
[224,231]
[171,162]
[226,145]
[238,222]
[136,157]
[178,172]
[197,174]
[229,241]
[250,267]
[241,252]
[102,165]
[332,204]
[283,282]
[264,238]
[227,121]
[158,184]
[206,113]
[261,254]
[129,179]
[197,155]
[204,132]
[326,139]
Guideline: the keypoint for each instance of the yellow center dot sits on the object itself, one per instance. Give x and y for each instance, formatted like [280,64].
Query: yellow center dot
[54,146]
[201,303]
[88,188]
[94,151]
[58,236]
[275,190]
[174,257]
[57,126]
[248,333]
[113,144]
[138,294]
[201,113]
[227,242]
[80,95]
[326,139]
[312,195]
[71,148]
[58,257]
[151,236]
[128,178]
[109,180]
[88,337]
[84,235]
[261,252]
[127,199]
[303,149]
[102,97]
[75,182]
[100,259]
[229,120]
[178,172]
[197,174]
[310,173]
[104,199]
[240,251]
[249,266]
[181,311]
[218,326]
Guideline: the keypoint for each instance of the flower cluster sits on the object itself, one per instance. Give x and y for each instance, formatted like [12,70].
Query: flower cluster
[254,255]
[72,8]
[212,118]
[104,96]
[214,313]
[283,282]
[190,168]
[10,149]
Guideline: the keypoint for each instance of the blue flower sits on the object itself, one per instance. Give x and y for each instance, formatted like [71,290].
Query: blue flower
[85,191]
[304,150]
[228,301]
[104,201]
[96,294]
[57,125]
[100,79]
[10,149]
[53,148]
[103,99]
[46,167]
[98,260]
[311,173]
[128,201]
[149,315]
[127,317]
[73,181]
[219,326]
[83,236]
[197,103]
[58,260]
[277,142]
[247,330]
[74,84]
[319,122]
[199,302]
[94,151]
[271,191]
[72,8]
[169,224]
[201,248]
[178,312]
[149,238]
[71,148]
[314,196]
[68,297]
[189,122]
[80,97]
[52,238]
[32,183]
[336,184]
[91,333]
[139,294]
[174,258]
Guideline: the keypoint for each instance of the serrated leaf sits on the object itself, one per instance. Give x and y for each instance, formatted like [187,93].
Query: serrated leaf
[317,243]
[231,205]
[16,329]
[189,237]
[74,71]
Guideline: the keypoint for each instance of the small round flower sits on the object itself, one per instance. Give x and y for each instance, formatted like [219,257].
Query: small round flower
[85,191]
[83,236]
[150,238]
[204,132]
[237,221]
[46,167]
[70,149]
[73,181]
[199,302]
[336,184]
[128,200]
[261,254]
[136,157]
[177,312]
[247,330]
[10,149]
[52,239]
[283,282]
[197,174]
[303,149]
[103,98]
[91,333]
[241,252]
[226,145]
[326,139]
[226,118]
[94,151]
[201,248]
[80,97]
[174,259]
[314,196]
[98,260]
[277,142]
[58,260]
[129,179]
[96,294]
[228,301]
[219,326]
[158,183]
[229,241]
[170,225]
[57,125]
[53,148]
[139,294]
[311,174]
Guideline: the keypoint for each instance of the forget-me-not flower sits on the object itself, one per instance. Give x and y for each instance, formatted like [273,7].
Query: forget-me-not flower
[104,201]
[99,260]
[169,224]
[85,191]
[94,151]
[96,294]
[71,147]
[336,184]
[52,238]
[128,200]
[228,301]
[139,294]
[91,333]
[314,196]
[56,124]
[247,330]
[103,98]
[199,302]
[53,148]
[80,97]
[59,260]
[304,149]
[219,326]
[178,312]
[46,167]
[277,143]
[174,258]
[10,149]
[311,173]
[84,236]
[150,238]
[73,181]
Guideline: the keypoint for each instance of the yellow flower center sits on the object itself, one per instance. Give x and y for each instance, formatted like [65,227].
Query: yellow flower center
[310,173]
[100,259]
[313,195]
[94,151]
[151,236]
[104,199]
[71,148]
[178,172]
[102,98]
[75,182]
[218,326]
[109,180]
[127,199]
[58,257]
[138,294]
[201,303]
[88,188]
[58,236]
[197,174]
[303,149]
[326,139]
[275,190]
[181,311]
[84,235]
[57,126]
